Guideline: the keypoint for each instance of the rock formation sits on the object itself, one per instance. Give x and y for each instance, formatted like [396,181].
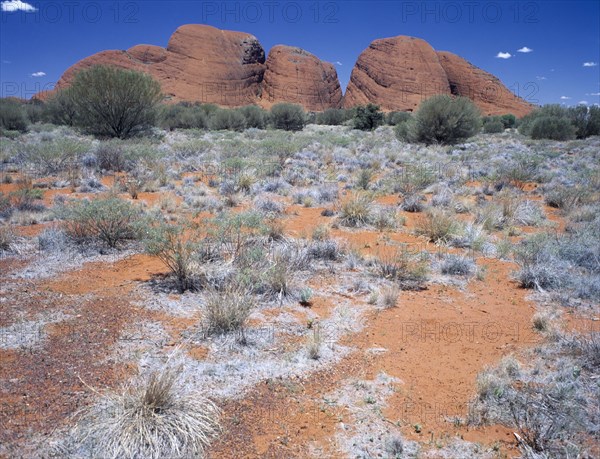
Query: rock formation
[487,91]
[208,65]
[295,75]
[396,74]
[200,64]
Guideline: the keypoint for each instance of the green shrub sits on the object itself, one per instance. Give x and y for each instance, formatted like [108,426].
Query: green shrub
[553,110]
[110,220]
[586,120]
[438,225]
[553,128]
[367,117]
[442,119]
[54,156]
[395,118]
[34,109]
[12,116]
[509,121]
[401,265]
[290,117]
[7,238]
[61,108]
[331,117]
[227,119]
[255,116]
[493,126]
[114,102]
[183,116]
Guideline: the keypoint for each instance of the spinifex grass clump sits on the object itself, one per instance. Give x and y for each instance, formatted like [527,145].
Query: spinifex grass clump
[150,419]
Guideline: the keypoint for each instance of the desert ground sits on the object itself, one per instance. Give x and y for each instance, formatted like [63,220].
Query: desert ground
[330,293]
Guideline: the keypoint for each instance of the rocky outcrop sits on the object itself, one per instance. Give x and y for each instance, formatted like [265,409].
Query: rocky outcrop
[399,73]
[209,65]
[200,64]
[487,91]
[297,76]
[396,74]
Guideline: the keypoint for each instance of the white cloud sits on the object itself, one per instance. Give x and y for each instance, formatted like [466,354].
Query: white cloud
[564,97]
[38,74]
[541,78]
[502,55]
[592,94]
[524,49]
[583,102]
[590,64]
[338,63]
[17,5]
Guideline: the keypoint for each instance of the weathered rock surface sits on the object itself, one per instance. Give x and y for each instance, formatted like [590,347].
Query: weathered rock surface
[396,74]
[200,64]
[205,64]
[297,76]
[487,91]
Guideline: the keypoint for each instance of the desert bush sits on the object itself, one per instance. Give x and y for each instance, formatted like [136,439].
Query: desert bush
[332,117]
[585,120]
[178,247]
[110,156]
[509,121]
[386,218]
[367,117]
[364,178]
[154,418]
[457,265]
[408,269]
[414,178]
[493,125]
[114,102]
[255,116]
[228,309]
[313,347]
[61,108]
[438,225]
[563,197]
[26,198]
[56,155]
[388,297]
[7,238]
[355,211]
[326,249]
[289,117]
[6,208]
[553,128]
[184,116]
[413,202]
[12,116]
[395,118]
[442,119]
[110,220]
[227,119]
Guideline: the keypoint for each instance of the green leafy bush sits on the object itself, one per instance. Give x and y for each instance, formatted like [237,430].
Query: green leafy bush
[227,119]
[110,220]
[493,125]
[290,117]
[61,108]
[553,128]
[509,121]
[12,116]
[395,118]
[367,117]
[114,102]
[331,117]
[442,119]
[586,120]
[255,116]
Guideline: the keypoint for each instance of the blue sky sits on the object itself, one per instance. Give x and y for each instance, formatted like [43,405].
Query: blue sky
[41,39]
